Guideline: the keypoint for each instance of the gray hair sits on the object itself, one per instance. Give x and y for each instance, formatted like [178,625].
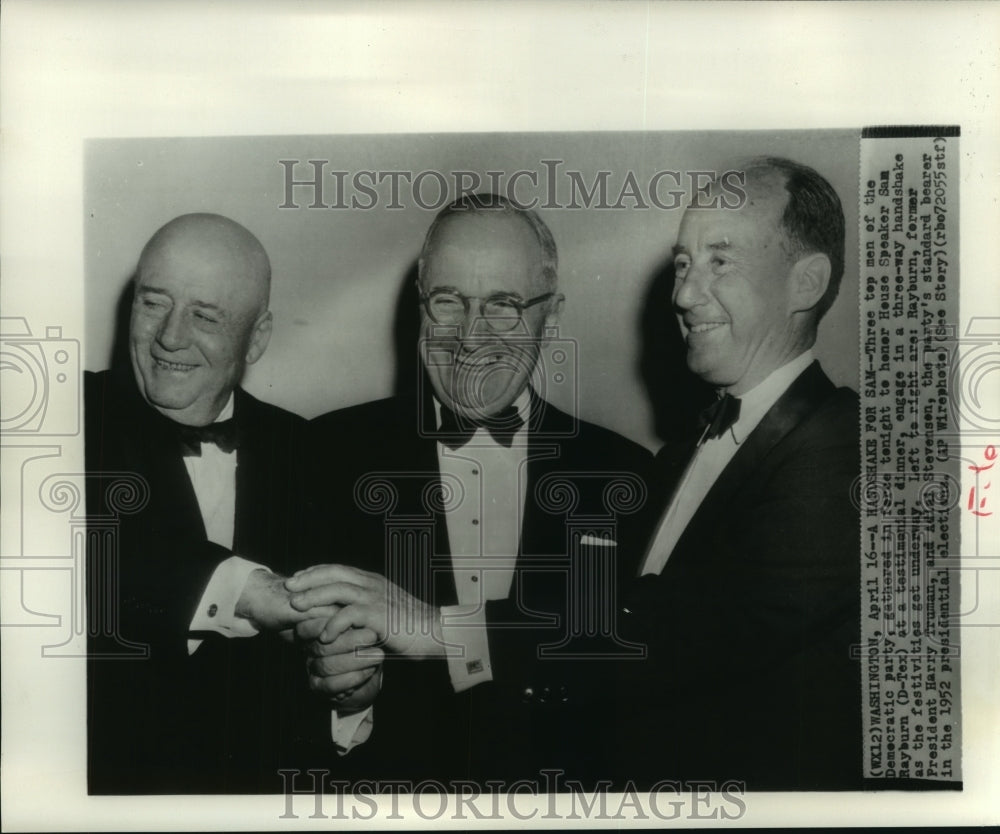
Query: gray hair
[813,220]
[483,203]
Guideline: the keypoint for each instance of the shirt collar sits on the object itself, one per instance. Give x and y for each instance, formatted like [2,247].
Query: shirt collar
[227,410]
[756,402]
[522,403]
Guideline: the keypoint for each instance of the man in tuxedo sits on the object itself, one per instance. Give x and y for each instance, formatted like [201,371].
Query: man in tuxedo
[748,597]
[200,486]
[491,519]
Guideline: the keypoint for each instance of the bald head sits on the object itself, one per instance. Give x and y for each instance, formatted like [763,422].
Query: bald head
[211,241]
[200,315]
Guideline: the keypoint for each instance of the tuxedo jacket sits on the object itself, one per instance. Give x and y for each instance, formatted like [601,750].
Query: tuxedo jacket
[752,626]
[161,720]
[548,655]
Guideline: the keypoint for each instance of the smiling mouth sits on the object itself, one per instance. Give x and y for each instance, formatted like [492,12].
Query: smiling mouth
[479,358]
[705,327]
[173,366]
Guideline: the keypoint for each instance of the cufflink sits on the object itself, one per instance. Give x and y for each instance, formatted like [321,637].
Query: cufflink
[588,540]
[474,667]
[213,609]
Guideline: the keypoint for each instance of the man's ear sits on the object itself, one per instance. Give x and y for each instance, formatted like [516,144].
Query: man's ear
[259,337]
[808,280]
[555,305]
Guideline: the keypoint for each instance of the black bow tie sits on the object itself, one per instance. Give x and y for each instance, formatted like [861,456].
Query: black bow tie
[456,431]
[225,435]
[719,417]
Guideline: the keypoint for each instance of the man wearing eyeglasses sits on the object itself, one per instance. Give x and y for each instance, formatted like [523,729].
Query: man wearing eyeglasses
[480,590]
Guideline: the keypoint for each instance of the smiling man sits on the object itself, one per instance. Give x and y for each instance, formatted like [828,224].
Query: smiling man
[464,496]
[199,316]
[488,289]
[190,470]
[748,598]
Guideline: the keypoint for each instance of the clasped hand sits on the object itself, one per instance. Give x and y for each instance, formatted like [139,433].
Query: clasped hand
[373,616]
[347,669]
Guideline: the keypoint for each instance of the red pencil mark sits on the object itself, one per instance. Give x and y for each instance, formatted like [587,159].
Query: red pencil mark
[978,507]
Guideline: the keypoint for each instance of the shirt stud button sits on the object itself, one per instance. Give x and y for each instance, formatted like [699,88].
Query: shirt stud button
[213,609]
[475,521]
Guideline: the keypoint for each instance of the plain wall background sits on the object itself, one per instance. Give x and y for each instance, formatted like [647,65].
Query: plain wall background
[339,274]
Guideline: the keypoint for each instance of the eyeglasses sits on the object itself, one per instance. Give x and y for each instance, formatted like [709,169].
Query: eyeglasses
[501,311]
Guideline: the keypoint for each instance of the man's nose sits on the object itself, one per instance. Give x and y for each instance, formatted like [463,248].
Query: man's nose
[474,328]
[692,289]
[174,332]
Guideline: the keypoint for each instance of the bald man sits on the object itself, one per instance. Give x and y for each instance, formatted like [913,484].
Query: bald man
[184,694]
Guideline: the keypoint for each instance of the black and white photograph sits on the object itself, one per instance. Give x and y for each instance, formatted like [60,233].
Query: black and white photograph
[475,528]
[492,464]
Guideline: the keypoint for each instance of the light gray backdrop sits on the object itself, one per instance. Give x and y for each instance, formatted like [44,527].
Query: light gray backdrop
[339,273]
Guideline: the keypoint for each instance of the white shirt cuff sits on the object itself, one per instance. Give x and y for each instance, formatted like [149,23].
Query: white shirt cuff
[348,731]
[216,609]
[463,628]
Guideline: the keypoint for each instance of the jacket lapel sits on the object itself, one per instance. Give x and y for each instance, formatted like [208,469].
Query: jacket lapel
[418,447]
[543,532]
[149,437]
[249,506]
[803,396]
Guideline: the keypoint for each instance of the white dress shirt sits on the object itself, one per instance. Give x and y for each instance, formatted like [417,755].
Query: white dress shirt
[484,533]
[711,458]
[213,476]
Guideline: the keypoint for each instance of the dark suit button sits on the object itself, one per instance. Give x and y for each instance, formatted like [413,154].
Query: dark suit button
[544,695]
[563,694]
[528,695]
[213,609]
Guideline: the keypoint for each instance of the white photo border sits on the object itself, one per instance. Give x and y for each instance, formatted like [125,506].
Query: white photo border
[76,70]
